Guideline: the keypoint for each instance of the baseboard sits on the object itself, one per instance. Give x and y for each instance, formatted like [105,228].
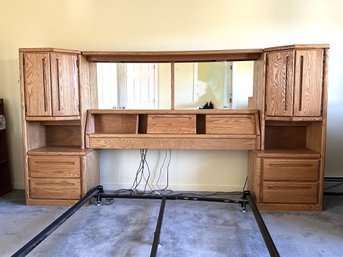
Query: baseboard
[333,185]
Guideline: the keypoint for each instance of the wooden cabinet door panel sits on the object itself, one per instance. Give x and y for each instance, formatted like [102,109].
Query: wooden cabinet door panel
[64,84]
[279,83]
[37,84]
[308,82]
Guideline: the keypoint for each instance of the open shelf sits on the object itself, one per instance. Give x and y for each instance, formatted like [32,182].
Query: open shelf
[174,129]
[293,137]
[58,150]
[61,134]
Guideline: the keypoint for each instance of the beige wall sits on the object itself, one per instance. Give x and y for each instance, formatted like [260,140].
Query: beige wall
[170,25]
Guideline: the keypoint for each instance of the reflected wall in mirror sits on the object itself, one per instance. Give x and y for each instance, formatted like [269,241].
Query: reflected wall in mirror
[148,85]
[134,85]
[224,84]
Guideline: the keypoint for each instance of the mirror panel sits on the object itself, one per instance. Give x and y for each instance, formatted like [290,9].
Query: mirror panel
[220,84]
[134,85]
[148,85]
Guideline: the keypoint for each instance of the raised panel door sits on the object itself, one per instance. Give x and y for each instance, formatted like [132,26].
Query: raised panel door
[279,83]
[308,82]
[37,84]
[64,84]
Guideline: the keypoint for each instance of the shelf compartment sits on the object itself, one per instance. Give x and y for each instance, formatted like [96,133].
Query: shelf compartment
[171,124]
[116,123]
[293,135]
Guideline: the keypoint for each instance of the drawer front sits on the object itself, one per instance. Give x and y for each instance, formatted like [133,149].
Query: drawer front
[290,170]
[55,188]
[54,167]
[171,124]
[231,124]
[288,192]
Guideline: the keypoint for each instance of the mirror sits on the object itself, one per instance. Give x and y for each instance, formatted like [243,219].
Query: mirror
[148,85]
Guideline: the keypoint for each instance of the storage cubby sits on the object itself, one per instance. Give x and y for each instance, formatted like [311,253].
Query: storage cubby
[116,124]
[53,134]
[293,135]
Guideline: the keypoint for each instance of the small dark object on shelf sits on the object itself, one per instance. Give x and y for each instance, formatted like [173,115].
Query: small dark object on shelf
[208,105]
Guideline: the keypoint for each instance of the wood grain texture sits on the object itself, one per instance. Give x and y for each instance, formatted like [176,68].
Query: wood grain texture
[37,84]
[54,167]
[289,153]
[254,176]
[116,124]
[63,135]
[285,137]
[64,84]
[59,151]
[48,50]
[290,192]
[172,56]
[308,82]
[175,142]
[297,46]
[50,202]
[279,83]
[35,118]
[55,188]
[231,124]
[290,170]
[90,171]
[171,124]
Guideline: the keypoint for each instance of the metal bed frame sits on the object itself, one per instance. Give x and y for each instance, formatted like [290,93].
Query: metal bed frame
[99,193]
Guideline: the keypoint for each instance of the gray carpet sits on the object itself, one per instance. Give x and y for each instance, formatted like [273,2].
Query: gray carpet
[197,229]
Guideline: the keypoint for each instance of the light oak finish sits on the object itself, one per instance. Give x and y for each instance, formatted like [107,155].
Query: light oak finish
[64,84]
[290,170]
[279,83]
[308,82]
[55,188]
[285,129]
[290,192]
[116,124]
[161,141]
[54,167]
[231,124]
[63,135]
[172,56]
[37,84]
[171,124]
[57,169]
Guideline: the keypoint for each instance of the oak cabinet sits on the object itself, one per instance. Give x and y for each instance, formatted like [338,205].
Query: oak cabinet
[294,80]
[51,84]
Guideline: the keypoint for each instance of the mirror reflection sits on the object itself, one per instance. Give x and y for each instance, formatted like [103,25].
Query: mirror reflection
[217,85]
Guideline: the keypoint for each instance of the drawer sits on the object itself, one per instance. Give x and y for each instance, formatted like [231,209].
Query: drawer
[171,124]
[289,192]
[54,167]
[55,188]
[290,169]
[231,124]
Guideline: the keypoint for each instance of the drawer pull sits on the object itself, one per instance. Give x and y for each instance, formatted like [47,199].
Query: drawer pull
[45,162]
[290,165]
[54,183]
[289,187]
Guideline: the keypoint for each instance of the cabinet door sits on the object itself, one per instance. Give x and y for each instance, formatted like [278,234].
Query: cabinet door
[64,85]
[37,84]
[279,83]
[308,82]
